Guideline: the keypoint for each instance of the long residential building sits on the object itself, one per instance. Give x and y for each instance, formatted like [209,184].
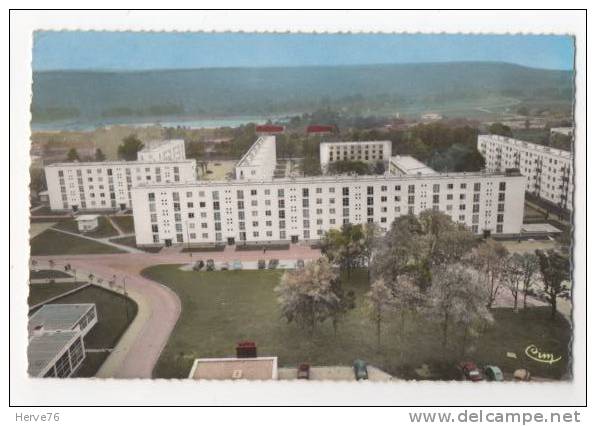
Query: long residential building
[548,171]
[292,210]
[107,185]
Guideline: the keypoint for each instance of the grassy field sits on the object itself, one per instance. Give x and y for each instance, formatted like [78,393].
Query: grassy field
[222,308]
[48,273]
[103,230]
[52,242]
[126,223]
[41,292]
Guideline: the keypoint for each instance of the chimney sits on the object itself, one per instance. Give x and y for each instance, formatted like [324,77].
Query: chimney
[246,349]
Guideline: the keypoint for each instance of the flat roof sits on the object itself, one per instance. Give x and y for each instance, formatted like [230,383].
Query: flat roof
[85,217]
[537,228]
[255,156]
[260,368]
[116,163]
[58,316]
[156,145]
[327,179]
[353,142]
[410,165]
[44,348]
[528,145]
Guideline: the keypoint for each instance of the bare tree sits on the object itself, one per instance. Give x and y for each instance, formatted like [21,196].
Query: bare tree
[380,303]
[306,295]
[513,276]
[372,237]
[490,258]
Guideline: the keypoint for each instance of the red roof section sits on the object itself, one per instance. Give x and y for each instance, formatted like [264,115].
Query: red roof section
[319,128]
[269,128]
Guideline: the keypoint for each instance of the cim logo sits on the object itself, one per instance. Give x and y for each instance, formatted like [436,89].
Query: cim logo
[535,354]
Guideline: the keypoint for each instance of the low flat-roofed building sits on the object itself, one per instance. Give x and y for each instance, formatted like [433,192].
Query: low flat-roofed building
[87,222]
[259,368]
[408,165]
[64,317]
[55,354]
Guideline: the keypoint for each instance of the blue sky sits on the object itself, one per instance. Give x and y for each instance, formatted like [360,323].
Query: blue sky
[142,51]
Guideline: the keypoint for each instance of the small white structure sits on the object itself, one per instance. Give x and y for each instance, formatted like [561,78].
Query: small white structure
[402,165]
[431,116]
[567,131]
[87,222]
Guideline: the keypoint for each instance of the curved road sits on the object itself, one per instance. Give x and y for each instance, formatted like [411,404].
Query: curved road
[138,350]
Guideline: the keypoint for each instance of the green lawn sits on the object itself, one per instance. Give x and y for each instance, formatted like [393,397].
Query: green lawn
[132,242]
[114,313]
[47,273]
[126,223]
[91,364]
[52,242]
[104,228]
[41,292]
[222,308]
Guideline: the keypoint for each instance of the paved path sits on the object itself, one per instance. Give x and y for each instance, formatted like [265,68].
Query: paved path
[139,348]
[115,225]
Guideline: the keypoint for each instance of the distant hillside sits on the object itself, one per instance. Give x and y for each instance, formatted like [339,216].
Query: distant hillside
[84,95]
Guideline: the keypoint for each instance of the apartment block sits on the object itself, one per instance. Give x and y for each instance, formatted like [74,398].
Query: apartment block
[169,150]
[366,151]
[298,209]
[259,161]
[548,171]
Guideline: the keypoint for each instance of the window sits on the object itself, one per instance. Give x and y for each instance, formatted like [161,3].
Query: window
[151,196]
[502,186]
[436,187]
[411,189]
[476,186]
[462,186]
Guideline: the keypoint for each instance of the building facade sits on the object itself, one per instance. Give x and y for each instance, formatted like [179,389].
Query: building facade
[292,210]
[366,151]
[259,161]
[107,185]
[548,171]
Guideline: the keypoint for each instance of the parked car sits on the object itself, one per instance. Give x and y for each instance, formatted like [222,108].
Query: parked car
[237,265]
[300,264]
[273,263]
[522,375]
[304,371]
[224,266]
[493,373]
[470,371]
[262,264]
[360,370]
[210,265]
[198,265]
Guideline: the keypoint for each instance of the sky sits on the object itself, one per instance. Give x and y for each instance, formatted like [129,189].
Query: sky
[93,50]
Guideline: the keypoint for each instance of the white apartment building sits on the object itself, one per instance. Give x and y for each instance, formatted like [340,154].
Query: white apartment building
[548,171]
[292,210]
[169,150]
[107,185]
[366,151]
[408,165]
[259,161]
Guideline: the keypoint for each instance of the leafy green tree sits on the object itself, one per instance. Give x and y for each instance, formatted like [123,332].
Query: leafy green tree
[99,155]
[129,148]
[344,247]
[500,129]
[555,269]
[348,167]
[72,155]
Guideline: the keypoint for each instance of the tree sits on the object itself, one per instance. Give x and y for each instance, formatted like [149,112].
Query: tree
[456,299]
[513,276]
[129,148]
[346,302]
[500,129]
[306,295]
[345,246]
[99,155]
[380,303]
[554,268]
[371,244]
[528,263]
[348,167]
[408,298]
[72,155]
[490,258]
